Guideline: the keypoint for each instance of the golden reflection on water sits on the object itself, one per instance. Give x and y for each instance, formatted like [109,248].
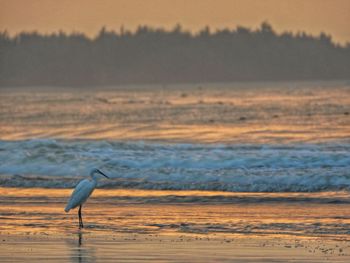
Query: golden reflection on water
[65,193]
[251,113]
[80,251]
[40,211]
[214,133]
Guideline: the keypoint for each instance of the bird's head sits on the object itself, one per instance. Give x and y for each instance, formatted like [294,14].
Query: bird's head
[94,172]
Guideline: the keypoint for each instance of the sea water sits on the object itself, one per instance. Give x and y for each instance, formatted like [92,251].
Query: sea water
[269,159]
[251,137]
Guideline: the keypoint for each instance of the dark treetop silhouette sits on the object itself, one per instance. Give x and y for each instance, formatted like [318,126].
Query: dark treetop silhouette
[158,56]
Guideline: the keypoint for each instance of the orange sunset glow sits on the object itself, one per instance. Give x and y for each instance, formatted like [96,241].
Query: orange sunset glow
[175,131]
[88,16]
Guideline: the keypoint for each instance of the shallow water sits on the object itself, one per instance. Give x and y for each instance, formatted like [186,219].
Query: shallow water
[40,211]
[172,226]
[84,247]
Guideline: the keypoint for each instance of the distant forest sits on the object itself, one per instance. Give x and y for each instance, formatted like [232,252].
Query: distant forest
[153,55]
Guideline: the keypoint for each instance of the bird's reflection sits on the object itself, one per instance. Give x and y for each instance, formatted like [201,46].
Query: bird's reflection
[80,235]
[81,252]
[80,255]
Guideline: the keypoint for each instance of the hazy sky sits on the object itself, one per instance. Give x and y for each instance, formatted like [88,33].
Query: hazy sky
[313,16]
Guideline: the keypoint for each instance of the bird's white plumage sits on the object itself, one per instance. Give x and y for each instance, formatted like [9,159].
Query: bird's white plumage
[81,193]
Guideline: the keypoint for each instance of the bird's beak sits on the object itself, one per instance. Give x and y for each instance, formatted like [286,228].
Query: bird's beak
[103,174]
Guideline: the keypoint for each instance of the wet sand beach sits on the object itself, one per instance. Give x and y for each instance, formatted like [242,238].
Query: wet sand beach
[144,226]
[160,248]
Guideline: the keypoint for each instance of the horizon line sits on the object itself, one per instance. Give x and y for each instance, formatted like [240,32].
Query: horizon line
[176,27]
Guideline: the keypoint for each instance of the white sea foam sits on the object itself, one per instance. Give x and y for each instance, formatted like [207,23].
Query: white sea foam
[273,168]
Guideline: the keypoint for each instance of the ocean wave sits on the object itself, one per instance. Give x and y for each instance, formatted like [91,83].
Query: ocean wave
[248,168]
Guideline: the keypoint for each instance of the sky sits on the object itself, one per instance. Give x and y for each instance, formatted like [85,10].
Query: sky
[88,16]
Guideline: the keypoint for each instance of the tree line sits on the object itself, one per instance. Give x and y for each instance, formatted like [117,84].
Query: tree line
[155,55]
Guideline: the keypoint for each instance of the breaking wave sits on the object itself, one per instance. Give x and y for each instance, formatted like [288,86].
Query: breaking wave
[144,165]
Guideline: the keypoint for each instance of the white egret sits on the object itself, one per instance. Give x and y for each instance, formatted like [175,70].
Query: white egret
[82,192]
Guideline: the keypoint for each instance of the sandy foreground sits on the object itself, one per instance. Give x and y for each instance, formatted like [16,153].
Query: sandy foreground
[139,226]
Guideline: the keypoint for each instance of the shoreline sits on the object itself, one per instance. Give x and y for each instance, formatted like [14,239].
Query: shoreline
[34,228]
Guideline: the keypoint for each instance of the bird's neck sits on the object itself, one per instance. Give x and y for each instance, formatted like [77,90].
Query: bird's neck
[94,178]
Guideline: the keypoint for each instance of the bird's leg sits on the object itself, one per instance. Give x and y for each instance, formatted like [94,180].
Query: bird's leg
[79,214]
[80,218]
